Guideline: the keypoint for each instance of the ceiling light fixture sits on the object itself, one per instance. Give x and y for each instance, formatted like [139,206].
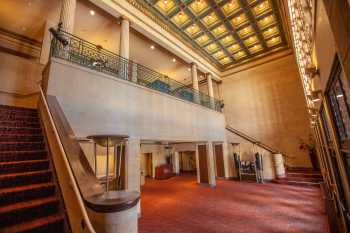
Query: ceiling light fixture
[92,12]
[152,47]
[174,60]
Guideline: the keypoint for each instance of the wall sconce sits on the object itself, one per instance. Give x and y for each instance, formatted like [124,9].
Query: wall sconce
[312,71]
[315,96]
[313,112]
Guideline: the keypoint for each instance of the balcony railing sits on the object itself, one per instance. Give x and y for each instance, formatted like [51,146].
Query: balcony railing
[76,50]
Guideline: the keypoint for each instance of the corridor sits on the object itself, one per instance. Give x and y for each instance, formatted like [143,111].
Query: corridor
[180,205]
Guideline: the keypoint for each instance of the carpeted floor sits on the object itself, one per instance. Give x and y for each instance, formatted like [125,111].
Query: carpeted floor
[181,205]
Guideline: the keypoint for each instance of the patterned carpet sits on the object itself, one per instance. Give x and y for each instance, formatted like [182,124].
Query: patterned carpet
[180,205]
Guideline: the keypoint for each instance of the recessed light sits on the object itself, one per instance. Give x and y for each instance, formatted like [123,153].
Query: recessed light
[174,60]
[152,47]
[92,12]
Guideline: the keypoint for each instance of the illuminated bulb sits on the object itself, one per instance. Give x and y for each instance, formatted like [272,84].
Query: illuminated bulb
[92,12]
[152,47]
[174,60]
[165,1]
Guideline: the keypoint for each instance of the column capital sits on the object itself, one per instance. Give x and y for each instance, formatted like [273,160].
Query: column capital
[194,64]
[123,17]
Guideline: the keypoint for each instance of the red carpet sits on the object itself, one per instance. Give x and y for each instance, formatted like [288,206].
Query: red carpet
[181,205]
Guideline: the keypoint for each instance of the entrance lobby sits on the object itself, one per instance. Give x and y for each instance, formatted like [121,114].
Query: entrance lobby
[179,205]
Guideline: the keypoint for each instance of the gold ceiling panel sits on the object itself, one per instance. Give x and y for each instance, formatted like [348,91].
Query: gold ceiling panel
[234,48]
[251,40]
[225,32]
[274,41]
[230,7]
[213,47]
[199,6]
[203,40]
[180,19]
[193,30]
[219,54]
[219,31]
[256,48]
[225,60]
[252,1]
[165,7]
[273,31]
[239,20]
[244,32]
[210,19]
[266,22]
[239,55]
[262,8]
[227,40]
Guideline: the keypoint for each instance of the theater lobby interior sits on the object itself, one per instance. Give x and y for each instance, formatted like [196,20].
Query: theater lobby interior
[175,116]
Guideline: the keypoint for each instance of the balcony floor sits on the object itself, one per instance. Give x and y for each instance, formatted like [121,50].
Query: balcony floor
[181,205]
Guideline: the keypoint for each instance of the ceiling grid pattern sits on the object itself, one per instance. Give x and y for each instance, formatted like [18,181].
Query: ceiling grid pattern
[228,32]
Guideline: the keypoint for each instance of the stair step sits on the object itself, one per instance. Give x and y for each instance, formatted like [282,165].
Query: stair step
[25,178]
[12,123]
[15,108]
[24,166]
[48,224]
[7,156]
[21,138]
[298,174]
[27,192]
[20,130]
[21,146]
[297,183]
[18,117]
[25,211]
[7,112]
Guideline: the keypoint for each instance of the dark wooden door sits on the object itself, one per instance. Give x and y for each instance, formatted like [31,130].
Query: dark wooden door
[219,159]
[203,164]
[121,159]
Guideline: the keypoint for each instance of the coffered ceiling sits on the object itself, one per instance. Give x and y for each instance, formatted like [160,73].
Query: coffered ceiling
[225,32]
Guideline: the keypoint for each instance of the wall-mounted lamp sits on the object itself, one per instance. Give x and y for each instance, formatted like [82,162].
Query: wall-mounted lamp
[315,96]
[312,71]
[313,112]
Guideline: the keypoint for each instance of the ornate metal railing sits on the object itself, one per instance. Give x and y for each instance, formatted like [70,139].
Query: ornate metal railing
[74,49]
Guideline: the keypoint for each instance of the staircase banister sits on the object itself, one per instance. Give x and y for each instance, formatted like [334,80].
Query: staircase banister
[85,223]
[88,190]
[252,140]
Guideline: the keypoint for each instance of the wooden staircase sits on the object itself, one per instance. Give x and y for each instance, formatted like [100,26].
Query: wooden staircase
[30,199]
[301,177]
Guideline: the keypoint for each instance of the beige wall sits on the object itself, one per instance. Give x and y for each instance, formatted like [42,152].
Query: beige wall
[18,79]
[95,103]
[325,47]
[267,103]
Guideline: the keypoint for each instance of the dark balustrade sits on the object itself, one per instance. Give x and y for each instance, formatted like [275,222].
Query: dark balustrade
[74,49]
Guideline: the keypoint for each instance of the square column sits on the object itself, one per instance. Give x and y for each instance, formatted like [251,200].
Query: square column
[176,163]
[211,164]
[132,160]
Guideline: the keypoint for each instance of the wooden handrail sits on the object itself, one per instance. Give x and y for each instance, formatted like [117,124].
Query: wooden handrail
[252,140]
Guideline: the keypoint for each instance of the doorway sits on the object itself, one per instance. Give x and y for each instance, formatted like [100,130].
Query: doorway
[188,162]
[146,167]
[203,164]
[219,161]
